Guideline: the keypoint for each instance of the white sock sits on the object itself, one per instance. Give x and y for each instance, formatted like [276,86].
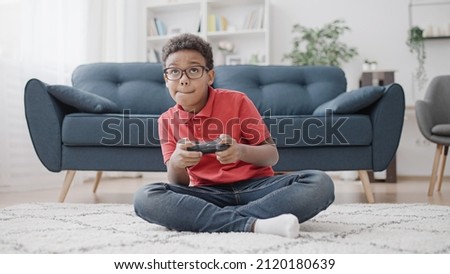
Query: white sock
[285,225]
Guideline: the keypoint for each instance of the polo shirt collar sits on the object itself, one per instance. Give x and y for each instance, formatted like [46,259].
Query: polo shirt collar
[206,112]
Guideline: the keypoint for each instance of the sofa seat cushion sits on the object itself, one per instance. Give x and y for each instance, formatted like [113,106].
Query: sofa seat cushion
[441,130]
[333,130]
[84,129]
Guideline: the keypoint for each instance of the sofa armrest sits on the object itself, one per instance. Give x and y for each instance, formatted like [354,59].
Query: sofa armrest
[44,116]
[387,116]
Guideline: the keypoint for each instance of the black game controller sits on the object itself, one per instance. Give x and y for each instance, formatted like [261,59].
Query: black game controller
[209,147]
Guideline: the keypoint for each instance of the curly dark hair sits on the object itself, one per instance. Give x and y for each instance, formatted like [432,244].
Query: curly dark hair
[188,41]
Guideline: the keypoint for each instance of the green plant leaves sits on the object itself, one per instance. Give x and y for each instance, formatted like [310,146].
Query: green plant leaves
[320,46]
[416,44]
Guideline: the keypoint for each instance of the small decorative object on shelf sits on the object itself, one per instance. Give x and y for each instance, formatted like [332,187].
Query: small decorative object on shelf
[370,65]
[432,31]
[257,59]
[226,47]
[233,60]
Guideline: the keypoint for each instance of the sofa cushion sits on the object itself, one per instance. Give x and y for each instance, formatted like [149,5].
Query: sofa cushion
[352,101]
[314,131]
[138,87]
[283,90]
[441,129]
[82,100]
[83,129]
[127,130]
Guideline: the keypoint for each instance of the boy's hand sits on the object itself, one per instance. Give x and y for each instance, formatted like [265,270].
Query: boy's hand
[183,158]
[231,154]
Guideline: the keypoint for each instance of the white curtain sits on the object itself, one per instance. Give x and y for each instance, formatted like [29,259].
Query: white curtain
[47,39]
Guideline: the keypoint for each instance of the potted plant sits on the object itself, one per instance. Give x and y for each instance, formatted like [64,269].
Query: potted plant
[369,65]
[320,46]
[416,44]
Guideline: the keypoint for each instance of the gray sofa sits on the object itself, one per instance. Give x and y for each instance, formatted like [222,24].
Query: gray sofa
[108,120]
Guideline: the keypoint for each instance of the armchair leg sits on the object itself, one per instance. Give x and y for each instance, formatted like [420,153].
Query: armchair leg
[67,182]
[442,168]
[364,176]
[437,156]
[97,180]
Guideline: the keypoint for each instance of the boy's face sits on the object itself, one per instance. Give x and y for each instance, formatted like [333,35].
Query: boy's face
[191,94]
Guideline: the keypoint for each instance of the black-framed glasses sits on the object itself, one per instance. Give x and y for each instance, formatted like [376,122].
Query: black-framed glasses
[194,72]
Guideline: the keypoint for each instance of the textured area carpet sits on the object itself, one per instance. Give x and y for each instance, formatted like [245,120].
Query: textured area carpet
[114,228]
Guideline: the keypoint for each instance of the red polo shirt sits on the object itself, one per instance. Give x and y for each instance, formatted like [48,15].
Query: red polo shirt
[226,111]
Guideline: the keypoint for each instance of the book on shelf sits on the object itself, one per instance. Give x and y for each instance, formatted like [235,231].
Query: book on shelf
[156,27]
[151,27]
[217,23]
[254,19]
[160,26]
[199,29]
[222,23]
[211,22]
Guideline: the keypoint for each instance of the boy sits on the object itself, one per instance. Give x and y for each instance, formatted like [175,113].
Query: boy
[230,190]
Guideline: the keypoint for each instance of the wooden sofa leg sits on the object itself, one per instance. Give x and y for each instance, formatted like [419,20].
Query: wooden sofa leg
[437,156]
[70,174]
[97,180]
[366,184]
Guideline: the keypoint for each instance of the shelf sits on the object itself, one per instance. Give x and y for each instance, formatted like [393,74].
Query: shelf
[162,38]
[417,4]
[437,37]
[174,6]
[213,34]
[432,17]
[237,32]
[244,23]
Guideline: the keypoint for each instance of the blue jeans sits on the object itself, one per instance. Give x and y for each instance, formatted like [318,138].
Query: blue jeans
[234,207]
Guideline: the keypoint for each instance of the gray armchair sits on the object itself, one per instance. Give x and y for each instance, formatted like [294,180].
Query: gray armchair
[433,118]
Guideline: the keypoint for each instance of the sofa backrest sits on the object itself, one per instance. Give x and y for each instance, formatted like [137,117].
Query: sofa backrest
[275,90]
[138,87]
[283,90]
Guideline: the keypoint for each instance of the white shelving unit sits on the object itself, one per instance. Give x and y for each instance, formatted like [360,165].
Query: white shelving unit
[243,23]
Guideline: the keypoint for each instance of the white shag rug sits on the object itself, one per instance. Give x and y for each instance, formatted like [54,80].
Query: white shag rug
[114,228]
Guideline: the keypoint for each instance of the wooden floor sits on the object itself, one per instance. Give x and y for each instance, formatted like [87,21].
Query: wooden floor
[120,190]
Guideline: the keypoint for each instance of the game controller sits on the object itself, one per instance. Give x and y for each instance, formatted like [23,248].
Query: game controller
[209,147]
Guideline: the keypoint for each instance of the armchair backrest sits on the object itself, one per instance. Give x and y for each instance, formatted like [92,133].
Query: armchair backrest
[137,87]
[438,96]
